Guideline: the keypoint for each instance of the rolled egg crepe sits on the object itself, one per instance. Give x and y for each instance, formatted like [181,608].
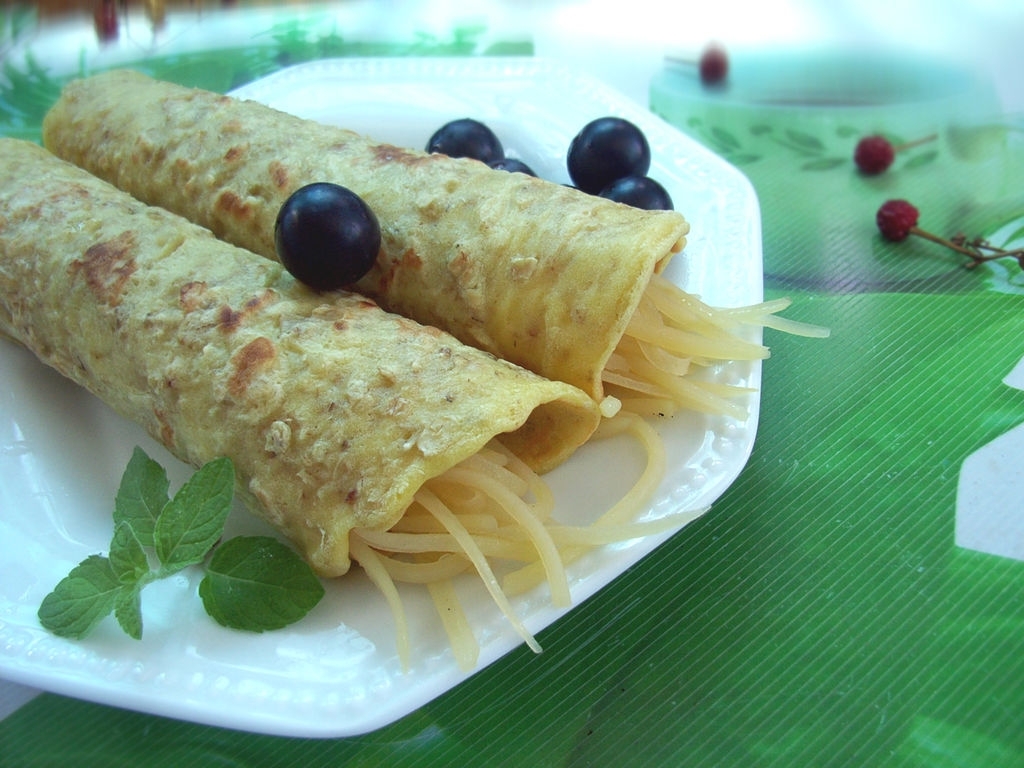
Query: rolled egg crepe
[536,273]
[333,411]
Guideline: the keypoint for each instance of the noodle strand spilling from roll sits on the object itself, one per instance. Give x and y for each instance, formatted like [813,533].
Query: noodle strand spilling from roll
[493,515]
[656,368]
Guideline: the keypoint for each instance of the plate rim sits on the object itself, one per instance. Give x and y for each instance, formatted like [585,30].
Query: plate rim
[20,664]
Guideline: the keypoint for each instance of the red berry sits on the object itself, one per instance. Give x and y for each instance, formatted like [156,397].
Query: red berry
[105,20]
[714,65]
[874,154]
[895,219]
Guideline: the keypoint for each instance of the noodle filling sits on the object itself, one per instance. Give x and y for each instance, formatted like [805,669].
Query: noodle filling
[492,516]
[661,363]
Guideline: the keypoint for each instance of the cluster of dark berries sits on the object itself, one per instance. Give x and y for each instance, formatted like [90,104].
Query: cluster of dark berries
[609,157]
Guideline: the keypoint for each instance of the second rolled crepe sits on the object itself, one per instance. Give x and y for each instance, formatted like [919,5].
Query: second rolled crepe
[536,273]
[333,411]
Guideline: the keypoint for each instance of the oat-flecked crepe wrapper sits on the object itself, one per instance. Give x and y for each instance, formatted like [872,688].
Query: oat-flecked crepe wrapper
[333,411]
[534,272]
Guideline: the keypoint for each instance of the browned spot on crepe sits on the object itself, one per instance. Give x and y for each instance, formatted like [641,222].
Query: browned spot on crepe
[254,357]
[388,153]
[230,319]
[279,175]
[107,266]
[192,295]
[166,430]
[233,205]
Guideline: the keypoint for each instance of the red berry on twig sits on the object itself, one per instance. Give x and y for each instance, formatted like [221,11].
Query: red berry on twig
[713,65]
[874,154]
[897,220]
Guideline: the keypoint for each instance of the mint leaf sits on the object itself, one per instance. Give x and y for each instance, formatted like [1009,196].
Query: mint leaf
[141,495]
[257,583]
[128,611]
[127,557]
[192,522]
[81,599]
[254,583]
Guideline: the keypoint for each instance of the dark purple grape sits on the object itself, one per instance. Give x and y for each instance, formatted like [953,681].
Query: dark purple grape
[467,138]
[607,149]
[326,236]
[512,165]
[640,192]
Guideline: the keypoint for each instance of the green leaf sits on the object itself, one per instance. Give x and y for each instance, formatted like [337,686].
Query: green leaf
[724,138]
[510,48]
[127,557]
[81,599]
[141,496]
[256,583]
[805,141]
[192,522]
[824,164]
[128,611]
[1012,239]
[920,159]
[743,158]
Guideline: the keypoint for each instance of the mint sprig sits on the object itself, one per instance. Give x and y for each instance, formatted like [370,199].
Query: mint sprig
[253,583]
